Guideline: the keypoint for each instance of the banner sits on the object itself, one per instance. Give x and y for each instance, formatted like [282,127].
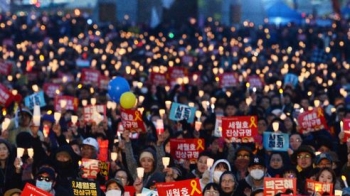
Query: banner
[90,168]
[276,141]
[180,112]
[176,72]
[72,103]
[318,188]
[184,187]
[35,99]
[187,149]
[32,190]
[90,76]
[84,188]
[132,120]
[272,186]
[158,79]
[90,111]
[5,96]
[103,150]
[255,81]
[312,120]
[227,80]
[241,129]
[5,68]
[104,169]
[50,89]
[346,129]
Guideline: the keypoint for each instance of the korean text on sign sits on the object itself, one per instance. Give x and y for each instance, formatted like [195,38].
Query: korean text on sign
[272,186]
[182,112]
[132,120]
[241,129]
[276,141]
[313,120]
[186,149]
[180,188]
[84,188]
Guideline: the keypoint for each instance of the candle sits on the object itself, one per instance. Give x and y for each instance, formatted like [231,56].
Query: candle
[161,112]
[5,124]
[281,93]
[191,104]
[30,152]
[198,115]
[141,99]
[84,102]
[248,86]
[114,156]
[57,117]
[159,126]
[20,152]
[63,103]
[165,161]
[93,101]
[210,162]
[341,126]
[344,180]
[140,172]
[168,104]
[198,125]
[275,126]
[74,119]
[36,120]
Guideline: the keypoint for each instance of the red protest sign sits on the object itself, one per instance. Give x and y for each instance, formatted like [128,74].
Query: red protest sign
[195,78]
[159,79]
[32,190]
[132,120]
[129,191]
[346,129]
[183,187]
[187,149]
[241,129]
[5,96]
[103,82]
[176,72]
[103,150]
[90,76]
[104,168]
[5,67]
[50,89]
[227,80]
[90,168]
[72,103]
[272,186]
[255,81]
[312,120]
[318,188]
[90,112]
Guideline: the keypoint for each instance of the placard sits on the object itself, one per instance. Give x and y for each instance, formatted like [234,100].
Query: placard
[291,79]
[312,120]
[35,99]
[159,79]
[240,129]
[103,82]
[227,80]
[50,89]
[5,96]
[90,110]
[31,190]
[184,187]
[186,149]
[132,120]
[255,81]
[318,188]
[104,169]
[84,188]
[272,186]
[176,72]
[346,129]
[103,150]
[90,76]
[90,168]
[274,141]
[180,112]
[5,68]
[72,103]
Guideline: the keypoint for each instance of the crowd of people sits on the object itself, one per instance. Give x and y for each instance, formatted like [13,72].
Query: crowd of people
[49,48]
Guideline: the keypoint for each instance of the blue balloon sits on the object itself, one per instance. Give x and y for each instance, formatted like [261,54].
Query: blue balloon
[116,87]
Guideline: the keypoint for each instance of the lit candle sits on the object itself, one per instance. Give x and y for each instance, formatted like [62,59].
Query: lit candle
[341,126]
[93,101]
[165,161]
[84,102]
[168,104]
[114,156]
[198,125]
[140,172]
[36,120]
[57,117]
[281,93]
[63,103]
[20,152]
[198,115]
[210,163]
[248,86]
[74,119]
[30,152]
[275,126]
[344,180]
[161,112]
[5,124]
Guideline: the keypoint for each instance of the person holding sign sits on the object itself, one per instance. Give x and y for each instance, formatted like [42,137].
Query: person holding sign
[20,123]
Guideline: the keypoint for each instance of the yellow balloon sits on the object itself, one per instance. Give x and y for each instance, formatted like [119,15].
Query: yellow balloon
[128,100]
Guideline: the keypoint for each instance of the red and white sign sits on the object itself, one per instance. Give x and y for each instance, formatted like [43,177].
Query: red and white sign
[32,190]
[227,80]
[346,129]
[312,120]
[129,191]
[90,168]
[272,186]
[132,120]
[175,73]
[104,81]
[5,67]
[184,187]
[91,110]
[5,96]
[159,79]
[318,188]
[255,81]
[241,129]
[50,89]
[90,76]
[72,103]
[186,149]
[103,150]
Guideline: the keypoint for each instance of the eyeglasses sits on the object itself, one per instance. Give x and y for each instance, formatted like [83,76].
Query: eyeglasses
[227,181]
[211,192]
[243,156]
[303,156]
[41,178]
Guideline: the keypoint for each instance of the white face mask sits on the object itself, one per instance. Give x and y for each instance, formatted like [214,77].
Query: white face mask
[46,186]
[257,174]
[113,193]
[216,176]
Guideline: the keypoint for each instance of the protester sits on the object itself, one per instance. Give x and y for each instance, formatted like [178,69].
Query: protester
[228,184]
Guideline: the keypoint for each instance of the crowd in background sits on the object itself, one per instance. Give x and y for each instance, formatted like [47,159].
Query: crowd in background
[44,47]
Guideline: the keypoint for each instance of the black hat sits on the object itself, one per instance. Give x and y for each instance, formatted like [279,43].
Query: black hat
[257,160]
[49,171]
